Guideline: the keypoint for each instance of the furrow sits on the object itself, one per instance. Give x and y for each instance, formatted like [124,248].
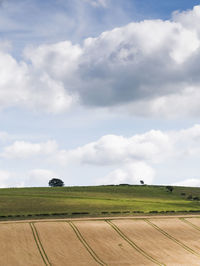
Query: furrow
[135,246]
[86,245]
[190,224]
[172,238]
[39,245]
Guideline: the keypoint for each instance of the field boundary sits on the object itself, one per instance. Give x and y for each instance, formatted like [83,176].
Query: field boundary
[86,245]
[135,246]
[172,238]
[39,245]
[99,218]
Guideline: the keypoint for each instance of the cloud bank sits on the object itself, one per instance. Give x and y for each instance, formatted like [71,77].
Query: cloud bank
[149,68]
[130,159]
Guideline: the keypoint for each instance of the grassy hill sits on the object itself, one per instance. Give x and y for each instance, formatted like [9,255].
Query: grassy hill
[95,201]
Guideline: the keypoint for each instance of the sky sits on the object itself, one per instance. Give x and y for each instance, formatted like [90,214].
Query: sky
[99,92]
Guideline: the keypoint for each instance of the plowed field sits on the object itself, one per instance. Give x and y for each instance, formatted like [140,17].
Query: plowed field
[111,241]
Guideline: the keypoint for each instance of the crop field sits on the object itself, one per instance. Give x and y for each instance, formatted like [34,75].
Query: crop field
[103,241]
[26,203]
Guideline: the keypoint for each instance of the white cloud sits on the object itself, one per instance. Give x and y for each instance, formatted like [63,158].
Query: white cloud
[4,177]
[130,174]
[193,182]
[39,177]
[152,63]
[129,156]
[97,3]
[22,85]
[127,159]
[25,150]
[33,178]
[189,19]
[152,146]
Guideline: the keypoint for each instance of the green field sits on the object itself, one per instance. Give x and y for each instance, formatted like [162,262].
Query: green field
[95,201]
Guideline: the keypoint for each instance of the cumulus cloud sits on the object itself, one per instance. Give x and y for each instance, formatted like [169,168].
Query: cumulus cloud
[135,158]
[22,85]
[127,159]
[153,147]
[113,149]
[152,63]
[25,150]
[130,174]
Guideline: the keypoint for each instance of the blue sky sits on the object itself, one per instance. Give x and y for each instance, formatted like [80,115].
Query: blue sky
[99,91]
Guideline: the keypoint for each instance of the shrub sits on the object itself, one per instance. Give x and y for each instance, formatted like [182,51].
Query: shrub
[196,198]
[189,197]
[169,188]
[183,194]
[79,213]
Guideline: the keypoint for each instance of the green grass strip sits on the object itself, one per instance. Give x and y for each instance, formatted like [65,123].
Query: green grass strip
[86,245]
[135,246]
[173,238]
[189,223]
[39,245]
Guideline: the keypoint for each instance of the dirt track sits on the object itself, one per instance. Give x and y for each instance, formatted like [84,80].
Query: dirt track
[105,241]
[62,245]
[155,243]
[108,244]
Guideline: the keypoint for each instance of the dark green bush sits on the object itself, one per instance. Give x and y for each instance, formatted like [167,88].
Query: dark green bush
[189,197]
[196,198]
[170,188]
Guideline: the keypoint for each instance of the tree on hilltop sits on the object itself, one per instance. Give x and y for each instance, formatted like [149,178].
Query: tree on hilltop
[56,182]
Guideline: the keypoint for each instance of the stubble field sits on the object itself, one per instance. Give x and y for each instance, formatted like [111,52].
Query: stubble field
[106,241]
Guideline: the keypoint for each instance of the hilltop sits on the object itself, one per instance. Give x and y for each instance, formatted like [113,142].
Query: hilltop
[26,203]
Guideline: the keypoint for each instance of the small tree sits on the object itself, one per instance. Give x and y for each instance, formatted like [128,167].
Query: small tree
[170,188]
[56,182]
[141,182]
